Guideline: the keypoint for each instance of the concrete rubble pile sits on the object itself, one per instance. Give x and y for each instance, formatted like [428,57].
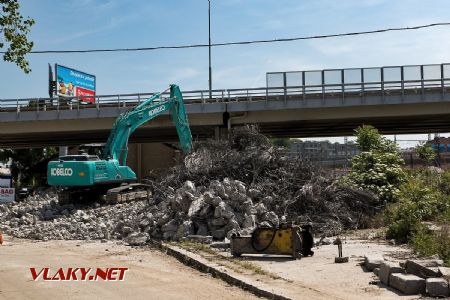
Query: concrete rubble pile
[42,217]
[221,188]
[247,173]
[221,209]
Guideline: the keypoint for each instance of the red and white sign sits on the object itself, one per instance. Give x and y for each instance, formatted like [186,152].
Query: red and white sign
[7,195]
[80,92]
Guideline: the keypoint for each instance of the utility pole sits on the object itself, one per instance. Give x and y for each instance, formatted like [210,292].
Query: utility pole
[209,48]
[346,152]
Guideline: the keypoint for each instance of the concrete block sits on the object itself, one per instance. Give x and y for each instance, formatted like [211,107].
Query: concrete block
[371,262]
[386,269]
[437,287]
[423,268]
[407,283]
[137,239]
[444,272]
[219,234]
[376,271]
[431,263]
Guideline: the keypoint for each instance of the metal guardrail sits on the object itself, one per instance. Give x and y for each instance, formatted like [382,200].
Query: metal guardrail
[322,84]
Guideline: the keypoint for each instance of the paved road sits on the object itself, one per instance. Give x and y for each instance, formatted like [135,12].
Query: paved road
[151,275]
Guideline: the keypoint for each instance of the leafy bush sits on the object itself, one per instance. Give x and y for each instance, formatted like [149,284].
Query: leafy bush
[378,167]
[426,153]
[444,183]
[425,196]
[427,243]
[417,202]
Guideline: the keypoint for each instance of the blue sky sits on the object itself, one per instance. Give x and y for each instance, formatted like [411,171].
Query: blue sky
[85,24]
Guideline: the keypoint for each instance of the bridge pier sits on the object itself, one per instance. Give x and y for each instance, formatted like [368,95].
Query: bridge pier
[220,133]
[151,158]
[63,150]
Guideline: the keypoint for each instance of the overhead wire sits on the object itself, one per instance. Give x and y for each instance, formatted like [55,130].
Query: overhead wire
[242,42]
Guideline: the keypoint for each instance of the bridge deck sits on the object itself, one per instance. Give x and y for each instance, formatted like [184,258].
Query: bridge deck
[330,105]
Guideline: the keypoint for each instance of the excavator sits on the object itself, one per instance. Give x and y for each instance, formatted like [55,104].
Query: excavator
[106,176]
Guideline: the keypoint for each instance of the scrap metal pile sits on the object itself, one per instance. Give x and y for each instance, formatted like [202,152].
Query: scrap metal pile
[223,187]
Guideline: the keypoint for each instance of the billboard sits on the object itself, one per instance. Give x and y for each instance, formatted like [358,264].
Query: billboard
[5,180]
[74,83]
[7,195]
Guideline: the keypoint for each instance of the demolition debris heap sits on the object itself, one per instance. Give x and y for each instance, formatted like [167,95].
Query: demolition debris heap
[223,187]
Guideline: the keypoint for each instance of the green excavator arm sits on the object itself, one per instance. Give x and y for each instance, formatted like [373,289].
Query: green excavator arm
[110,167]
[117,144]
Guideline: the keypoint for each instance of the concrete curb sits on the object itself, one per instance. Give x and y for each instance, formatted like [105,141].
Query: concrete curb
[214,271]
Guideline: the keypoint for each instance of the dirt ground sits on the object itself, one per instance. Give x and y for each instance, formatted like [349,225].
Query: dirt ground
[326,279]
[151,275]
[155,275]
[316,277]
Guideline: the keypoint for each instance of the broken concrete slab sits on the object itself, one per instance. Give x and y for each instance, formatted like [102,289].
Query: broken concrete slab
[260,208]
[171,226]
[249,221]
[371,262]
[219,221]
[407,283]
[137,239]
[437,287]
[202,229]
[185,229]
[219,234]
[444,272]
[189,186]
[196,206]
[423,268]
[431,263]
[223,210]
[386,269]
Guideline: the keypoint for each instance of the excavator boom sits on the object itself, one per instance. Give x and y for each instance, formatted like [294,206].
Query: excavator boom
[109,170]
[128,122]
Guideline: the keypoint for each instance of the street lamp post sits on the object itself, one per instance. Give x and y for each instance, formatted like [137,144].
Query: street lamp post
[209,48]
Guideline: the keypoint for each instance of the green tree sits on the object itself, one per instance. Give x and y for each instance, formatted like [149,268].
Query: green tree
[426,153]
[29,166]
[378,167]
[13,34]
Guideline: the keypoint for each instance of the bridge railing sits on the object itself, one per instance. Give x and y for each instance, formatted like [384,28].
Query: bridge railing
[384,80]
[281,86]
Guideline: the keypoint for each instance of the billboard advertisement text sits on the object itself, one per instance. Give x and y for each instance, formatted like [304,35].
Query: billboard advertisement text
[7,195]
[73,83]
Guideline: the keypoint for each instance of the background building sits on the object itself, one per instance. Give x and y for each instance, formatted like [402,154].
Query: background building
[327,154]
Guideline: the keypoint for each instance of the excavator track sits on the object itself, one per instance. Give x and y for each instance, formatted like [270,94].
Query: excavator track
[128,192]
[105,194]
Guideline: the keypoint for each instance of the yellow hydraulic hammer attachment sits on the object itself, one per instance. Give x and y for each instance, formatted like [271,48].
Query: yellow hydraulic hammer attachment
[286,239]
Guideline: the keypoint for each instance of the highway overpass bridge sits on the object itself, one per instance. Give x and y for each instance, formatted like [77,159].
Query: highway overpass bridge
[395,99]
